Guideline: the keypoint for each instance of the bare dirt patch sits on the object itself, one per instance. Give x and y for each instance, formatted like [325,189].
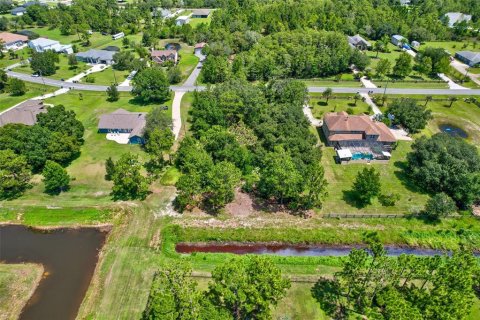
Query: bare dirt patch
[242,205]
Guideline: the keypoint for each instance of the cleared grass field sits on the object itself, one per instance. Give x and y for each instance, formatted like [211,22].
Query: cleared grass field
[7,61]
[453,46]
[17,283]
[108,76]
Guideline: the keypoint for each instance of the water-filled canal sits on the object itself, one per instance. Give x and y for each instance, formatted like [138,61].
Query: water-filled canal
[290,250]
[69,257]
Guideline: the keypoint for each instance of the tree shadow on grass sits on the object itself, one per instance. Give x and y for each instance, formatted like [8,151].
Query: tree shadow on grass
[322,103]
[327,293]
[351,198]
[403,177]
[139,102]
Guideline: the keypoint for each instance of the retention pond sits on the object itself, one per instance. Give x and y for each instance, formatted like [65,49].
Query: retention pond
[69,257]
[290,250]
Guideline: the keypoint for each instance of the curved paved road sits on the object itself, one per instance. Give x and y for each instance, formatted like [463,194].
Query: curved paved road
[187,88]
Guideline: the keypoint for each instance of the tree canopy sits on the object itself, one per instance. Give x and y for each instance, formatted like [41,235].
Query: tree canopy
[446,164]
[409,114]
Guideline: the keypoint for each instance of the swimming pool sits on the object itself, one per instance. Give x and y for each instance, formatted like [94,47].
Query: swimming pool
[362,156]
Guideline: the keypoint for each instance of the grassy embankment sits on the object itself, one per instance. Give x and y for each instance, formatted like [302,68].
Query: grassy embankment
[89,192]
[17,284]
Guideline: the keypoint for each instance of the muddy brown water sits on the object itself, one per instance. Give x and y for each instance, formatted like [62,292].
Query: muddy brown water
[69,257]
[290,249]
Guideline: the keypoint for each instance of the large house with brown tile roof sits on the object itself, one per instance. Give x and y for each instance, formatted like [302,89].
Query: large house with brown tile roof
[123,121]
[25,113]
[358,133]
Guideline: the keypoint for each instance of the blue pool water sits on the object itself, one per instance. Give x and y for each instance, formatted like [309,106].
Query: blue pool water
[362,156]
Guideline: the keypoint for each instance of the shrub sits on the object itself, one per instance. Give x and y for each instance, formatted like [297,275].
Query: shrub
[388,200]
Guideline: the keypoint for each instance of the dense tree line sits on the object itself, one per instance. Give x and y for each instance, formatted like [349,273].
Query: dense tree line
[407,287]
[242,288]
[55,139]
[446,164]
[254,135]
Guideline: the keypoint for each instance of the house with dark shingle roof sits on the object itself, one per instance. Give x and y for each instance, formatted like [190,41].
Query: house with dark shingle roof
[343,130]
[25,113]
[201,13]
[96,56]
[357,42]
[469,57]
[123,121]
[18,11]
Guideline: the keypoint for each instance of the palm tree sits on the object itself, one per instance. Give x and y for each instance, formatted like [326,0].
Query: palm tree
[378,46]
[452,100]
[428,99]
[327,94]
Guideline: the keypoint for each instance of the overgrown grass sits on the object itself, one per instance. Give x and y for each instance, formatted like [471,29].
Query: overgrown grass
[17,283]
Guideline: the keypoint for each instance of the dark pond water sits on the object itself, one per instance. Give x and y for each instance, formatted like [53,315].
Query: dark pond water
[69,257]
[290,250]
[453,130]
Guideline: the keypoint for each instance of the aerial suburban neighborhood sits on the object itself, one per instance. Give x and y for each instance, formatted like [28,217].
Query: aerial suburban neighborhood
[225,159]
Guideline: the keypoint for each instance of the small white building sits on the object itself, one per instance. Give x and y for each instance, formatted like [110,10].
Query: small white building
[415,45]
[398,40]
[180,21]
[44,44]
[118,36]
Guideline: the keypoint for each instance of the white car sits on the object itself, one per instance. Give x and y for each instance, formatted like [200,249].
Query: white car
[35,75]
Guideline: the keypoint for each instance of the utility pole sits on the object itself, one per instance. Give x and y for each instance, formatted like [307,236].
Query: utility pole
[114,76]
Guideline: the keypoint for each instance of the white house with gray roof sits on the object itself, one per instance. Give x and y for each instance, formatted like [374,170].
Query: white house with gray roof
[94,56]
[123,122]
[469,57]
[457,17]
[44,44]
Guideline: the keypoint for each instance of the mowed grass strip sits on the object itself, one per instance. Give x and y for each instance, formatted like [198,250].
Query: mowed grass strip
[33,90]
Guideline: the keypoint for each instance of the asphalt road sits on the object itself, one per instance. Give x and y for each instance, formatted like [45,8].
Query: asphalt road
[187,88]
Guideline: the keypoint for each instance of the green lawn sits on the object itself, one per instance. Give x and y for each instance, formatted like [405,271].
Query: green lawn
[188,61]
[414,85]
[345,101]
[64,71]
[108,76]
[347,80]
[461,114]
[194,22]
[34,90]
[7,61]
[89,188]
[341,177]
[453,46]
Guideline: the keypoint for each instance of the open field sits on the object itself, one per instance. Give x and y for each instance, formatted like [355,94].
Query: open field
[453,46]
[34,90]
[341,177]
[89,188]
[17,283]
[343,102]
